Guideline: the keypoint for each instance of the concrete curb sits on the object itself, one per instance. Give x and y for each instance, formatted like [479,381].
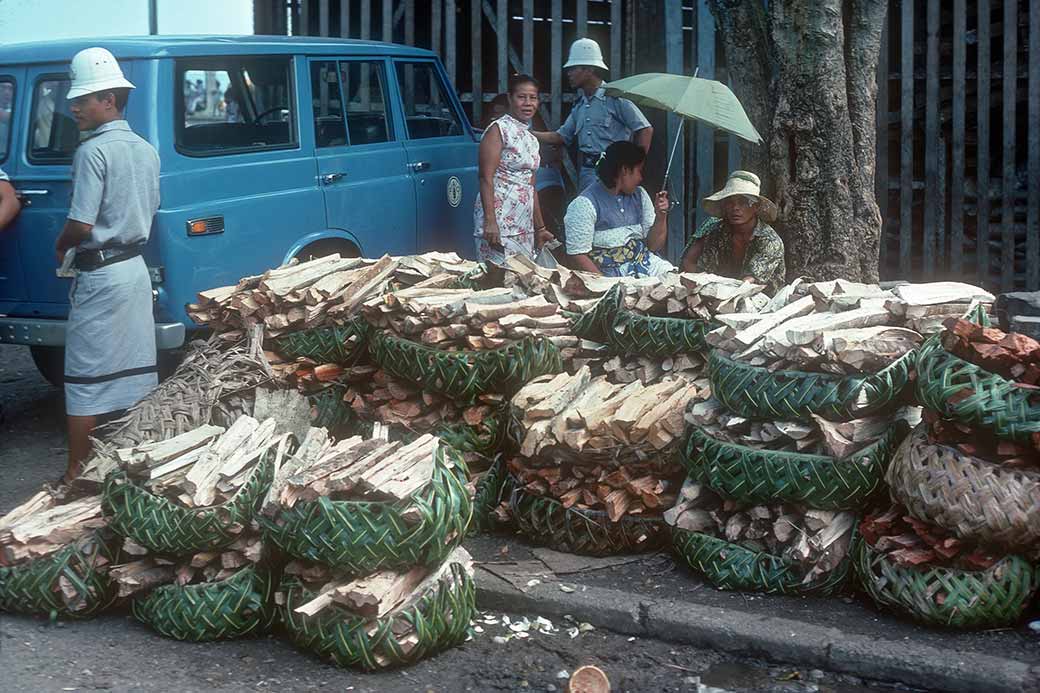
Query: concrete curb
[778,639]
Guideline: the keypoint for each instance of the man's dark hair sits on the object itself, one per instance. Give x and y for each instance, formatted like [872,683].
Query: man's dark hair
[619,155]
[120,96]
[517,81]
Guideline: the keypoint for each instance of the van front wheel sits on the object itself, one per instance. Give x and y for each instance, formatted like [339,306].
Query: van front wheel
[328,246]
[50,362]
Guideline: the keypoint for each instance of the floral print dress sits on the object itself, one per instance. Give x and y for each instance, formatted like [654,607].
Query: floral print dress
[513,192]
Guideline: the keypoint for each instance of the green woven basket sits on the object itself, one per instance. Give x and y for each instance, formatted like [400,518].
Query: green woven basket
[35,587]
[485,439]
[595,324]
[162,526]
[995,402]
[584,532]
[643,335]
[487,496]
[241,605]
[755,392]
[732,567]
[439,620]
[328,410]
[991,598]
[341,344]
[465,375]
[756,476]
[363,537]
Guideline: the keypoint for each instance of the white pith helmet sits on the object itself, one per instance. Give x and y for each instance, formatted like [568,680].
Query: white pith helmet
[585,53]
[93,70]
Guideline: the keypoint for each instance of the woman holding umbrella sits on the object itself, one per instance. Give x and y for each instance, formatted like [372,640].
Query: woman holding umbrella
[612,227]
[737,241]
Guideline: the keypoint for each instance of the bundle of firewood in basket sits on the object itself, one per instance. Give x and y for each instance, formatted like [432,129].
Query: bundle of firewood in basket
[840,327]
[324,291]
[143,571]
[43,525]
[814,540]
[687,295]
[982,443]
[1009,354]
[818,437]
[907,541]
[205,466]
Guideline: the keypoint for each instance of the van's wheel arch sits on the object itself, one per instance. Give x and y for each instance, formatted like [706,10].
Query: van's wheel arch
[328,246]
[50,362]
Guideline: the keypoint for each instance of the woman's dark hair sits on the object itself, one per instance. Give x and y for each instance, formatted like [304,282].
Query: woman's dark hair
[619,155]
[517,81]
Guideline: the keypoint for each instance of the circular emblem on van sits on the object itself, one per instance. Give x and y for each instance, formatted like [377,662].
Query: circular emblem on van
[454,191]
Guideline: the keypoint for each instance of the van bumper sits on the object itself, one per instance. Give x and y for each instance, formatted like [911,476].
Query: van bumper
[37,332]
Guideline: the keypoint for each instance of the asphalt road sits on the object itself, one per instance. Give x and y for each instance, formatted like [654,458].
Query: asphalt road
[116,653]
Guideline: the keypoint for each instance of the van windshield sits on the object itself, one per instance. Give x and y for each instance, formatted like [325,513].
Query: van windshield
[6,108]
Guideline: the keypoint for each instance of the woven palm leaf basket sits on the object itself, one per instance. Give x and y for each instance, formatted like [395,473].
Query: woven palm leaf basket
[730,566]
[70,583]
[341,344]
[754,476]
[162,526]
[596,324]
[362,537]
[960,390]
[465,375]
[328,410]
[437,620]
[972,498]
[486,438]
[235,607]
[585,532]
[755,392]
[939,596]
[646,335]
[487,496]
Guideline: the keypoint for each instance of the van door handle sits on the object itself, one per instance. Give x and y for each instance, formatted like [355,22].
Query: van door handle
[330,178]
[419,166]
[32,193]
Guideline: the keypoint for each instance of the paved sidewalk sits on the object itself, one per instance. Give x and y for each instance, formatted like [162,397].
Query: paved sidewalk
[651,596]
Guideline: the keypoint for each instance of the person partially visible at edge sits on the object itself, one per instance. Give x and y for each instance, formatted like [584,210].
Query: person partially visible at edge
[596,120]
[10,205]
[548,179]
[506,217]
[613,228]
[737,240]
[110,356]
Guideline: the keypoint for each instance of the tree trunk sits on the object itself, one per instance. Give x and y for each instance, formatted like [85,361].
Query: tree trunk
[822,57]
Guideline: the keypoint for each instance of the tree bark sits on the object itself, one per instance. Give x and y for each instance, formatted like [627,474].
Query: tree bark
[822,55]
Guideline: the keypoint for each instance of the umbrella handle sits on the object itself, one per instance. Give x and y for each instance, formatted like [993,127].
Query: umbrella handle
[678,136]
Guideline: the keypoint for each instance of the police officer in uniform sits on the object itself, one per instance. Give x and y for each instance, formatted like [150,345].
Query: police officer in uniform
[110,357]
[596,120]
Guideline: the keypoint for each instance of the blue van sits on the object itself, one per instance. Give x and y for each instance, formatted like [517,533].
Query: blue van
[271,148]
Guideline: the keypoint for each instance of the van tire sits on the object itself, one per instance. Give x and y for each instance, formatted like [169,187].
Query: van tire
[50,362]
[328,246]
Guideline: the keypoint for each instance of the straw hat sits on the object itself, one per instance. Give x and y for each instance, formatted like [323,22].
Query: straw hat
[741,183]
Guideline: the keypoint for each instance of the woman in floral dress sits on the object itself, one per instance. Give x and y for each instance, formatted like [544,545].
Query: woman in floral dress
[506,218]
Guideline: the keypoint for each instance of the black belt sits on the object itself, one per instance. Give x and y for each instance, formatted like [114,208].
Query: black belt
[590,160]
[90,260]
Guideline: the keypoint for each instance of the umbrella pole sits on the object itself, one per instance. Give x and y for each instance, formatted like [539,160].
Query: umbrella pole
[678,136]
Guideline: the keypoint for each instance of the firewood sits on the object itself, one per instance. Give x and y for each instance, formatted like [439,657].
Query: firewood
[42,525]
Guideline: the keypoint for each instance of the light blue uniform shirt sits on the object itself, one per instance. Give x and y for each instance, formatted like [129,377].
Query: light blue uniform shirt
[597,123]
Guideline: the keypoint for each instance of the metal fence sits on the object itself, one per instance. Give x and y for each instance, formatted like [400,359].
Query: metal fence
[958,105]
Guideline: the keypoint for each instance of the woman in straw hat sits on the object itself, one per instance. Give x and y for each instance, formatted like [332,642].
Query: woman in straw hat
[737,241]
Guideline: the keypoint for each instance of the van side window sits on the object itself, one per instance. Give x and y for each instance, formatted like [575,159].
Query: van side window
[6,105]
[427,109]
[234,104]
[53,136]
[364,109]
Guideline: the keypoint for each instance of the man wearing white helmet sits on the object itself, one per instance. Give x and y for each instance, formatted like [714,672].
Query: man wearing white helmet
[110,357]
[596,120]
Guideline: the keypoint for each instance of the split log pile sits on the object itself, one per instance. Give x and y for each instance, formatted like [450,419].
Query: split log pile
[42,525]
[593,444]
[1012,355]
[205,466]
[981,443]
[814,540]
[351,469]
[907,541]
[818,437]
[648,371]
[317,293]
[147,571]
[840,327]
